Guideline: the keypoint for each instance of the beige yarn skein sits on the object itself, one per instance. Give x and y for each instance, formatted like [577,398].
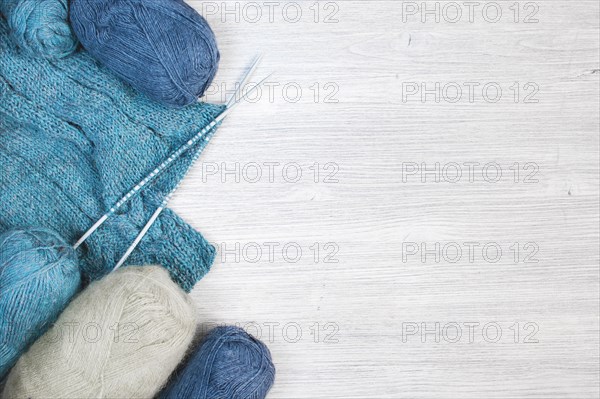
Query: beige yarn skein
[120,338]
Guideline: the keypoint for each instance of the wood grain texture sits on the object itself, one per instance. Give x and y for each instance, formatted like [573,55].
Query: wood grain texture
[339,322]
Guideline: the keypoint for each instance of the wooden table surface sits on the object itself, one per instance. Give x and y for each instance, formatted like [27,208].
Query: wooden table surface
[410,207]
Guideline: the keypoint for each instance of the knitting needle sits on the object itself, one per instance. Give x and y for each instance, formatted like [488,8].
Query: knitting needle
[158,211]
[165,202]
[244,81]
[149,178]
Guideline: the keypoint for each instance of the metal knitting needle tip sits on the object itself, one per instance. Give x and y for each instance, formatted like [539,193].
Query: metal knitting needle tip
[226,112]
[91,231]
[138,239]
[244,81]
[247,75]
[247,94]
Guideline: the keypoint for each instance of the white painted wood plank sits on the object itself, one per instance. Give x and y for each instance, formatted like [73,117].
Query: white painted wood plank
[365,295]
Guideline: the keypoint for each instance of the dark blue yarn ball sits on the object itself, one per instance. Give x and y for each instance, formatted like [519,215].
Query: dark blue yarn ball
[230,364]
[163,48]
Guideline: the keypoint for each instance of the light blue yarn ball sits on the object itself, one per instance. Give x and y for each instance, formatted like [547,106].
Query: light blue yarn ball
[40,27]
[230,364]
[39,274]
[163,48]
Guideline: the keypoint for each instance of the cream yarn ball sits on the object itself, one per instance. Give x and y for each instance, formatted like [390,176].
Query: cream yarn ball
[120,338]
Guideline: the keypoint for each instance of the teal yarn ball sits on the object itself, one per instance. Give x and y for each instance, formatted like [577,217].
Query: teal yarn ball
[40,27]
[163,48]
[39,274]
[229,364]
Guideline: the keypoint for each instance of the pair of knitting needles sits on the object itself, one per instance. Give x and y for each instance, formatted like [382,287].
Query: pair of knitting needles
[205,135]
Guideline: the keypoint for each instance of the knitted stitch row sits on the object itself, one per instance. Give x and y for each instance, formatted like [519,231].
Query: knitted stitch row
[74,139]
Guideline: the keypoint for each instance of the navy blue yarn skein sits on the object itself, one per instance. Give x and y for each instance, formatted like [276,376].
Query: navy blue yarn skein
[229,364]
[39,275]
[163,48]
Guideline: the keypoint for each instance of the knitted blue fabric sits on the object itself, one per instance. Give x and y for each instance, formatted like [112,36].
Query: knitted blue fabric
[73,140]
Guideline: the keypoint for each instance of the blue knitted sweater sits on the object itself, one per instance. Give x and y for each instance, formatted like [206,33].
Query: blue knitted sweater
[73,140]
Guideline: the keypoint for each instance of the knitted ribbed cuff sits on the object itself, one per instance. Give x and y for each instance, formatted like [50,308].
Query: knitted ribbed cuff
[184,253]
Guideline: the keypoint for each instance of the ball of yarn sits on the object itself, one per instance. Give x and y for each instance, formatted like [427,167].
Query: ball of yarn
[163,48]
[229,364]
[40,27]
[38,277]
[120,338]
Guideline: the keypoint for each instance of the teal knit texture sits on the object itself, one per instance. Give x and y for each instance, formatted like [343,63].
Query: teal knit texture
[73,140]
